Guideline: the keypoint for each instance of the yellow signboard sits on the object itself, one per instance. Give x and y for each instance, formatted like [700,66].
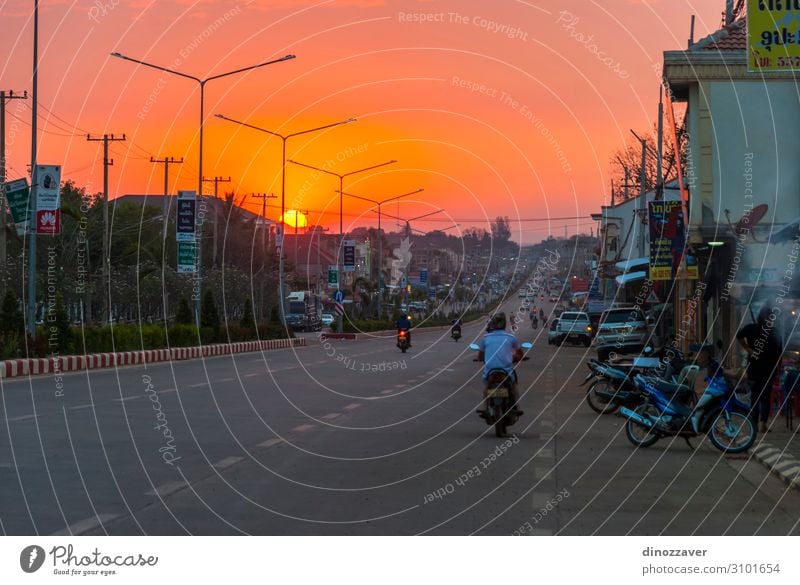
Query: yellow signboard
[773,35]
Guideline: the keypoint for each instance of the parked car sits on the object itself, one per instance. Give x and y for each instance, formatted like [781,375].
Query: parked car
[622,330]
[552,333]
[328,319]
[574,326]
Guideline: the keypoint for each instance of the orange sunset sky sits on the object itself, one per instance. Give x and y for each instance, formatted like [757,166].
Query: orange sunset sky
[463,93]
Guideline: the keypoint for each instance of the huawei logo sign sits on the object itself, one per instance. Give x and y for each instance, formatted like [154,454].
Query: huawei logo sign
[48,218]
[31,558]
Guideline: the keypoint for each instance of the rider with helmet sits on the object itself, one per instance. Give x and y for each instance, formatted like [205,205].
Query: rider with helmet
[404,324]
[499,350]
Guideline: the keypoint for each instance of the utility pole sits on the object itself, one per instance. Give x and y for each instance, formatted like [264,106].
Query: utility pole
[165,204]
[263,197]
[660,139]
[642,193]
[216,181]
[264,227]
[4,96]
[105,139]
[30,308]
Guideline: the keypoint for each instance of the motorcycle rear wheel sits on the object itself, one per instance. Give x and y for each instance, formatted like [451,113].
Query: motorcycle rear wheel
[639,435]
[500,427]
[740,430]
[599,404]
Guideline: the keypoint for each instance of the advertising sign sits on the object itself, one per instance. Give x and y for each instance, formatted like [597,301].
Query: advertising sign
[773,36]
[48,200]
[423,276]
[185,219]
[187,257]
[48,195]
[349,251]
[667,238]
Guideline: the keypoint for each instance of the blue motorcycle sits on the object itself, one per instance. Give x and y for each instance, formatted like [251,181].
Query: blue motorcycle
[669,409]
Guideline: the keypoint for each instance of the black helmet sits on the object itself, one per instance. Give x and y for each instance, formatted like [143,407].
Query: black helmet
[499,321]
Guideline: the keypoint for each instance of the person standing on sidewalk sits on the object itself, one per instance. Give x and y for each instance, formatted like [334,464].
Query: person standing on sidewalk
[764,352]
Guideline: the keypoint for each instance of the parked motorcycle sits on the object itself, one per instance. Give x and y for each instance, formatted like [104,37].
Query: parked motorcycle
[402,340]
[613,385]
[669,410]
[497,396]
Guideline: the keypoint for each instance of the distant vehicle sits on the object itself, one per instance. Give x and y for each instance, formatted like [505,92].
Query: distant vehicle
[327,319]
[304,310]
[622,330]
[574,326]
[553,299]
[522,293]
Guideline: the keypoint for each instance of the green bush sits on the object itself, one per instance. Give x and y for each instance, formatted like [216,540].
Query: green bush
[153,336]
[182,335]
[365,325]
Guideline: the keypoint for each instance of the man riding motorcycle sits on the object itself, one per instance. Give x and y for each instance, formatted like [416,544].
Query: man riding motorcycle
[455,325]
[404,324]
[500,350]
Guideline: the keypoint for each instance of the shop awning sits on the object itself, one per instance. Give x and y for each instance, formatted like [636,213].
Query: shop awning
[624,279]
[631,263]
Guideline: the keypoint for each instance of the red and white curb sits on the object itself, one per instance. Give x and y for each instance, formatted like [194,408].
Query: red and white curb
[73,363]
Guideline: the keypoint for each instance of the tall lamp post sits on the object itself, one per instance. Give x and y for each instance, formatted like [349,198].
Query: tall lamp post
[380,239]
[202,83]
[340,325]
[284,138]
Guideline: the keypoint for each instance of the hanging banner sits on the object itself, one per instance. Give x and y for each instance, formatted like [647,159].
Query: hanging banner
[48,200]
[187,257]
[773,36]
[667,238]
[185,218]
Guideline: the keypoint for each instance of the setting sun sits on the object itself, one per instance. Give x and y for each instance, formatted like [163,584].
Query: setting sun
[295,218]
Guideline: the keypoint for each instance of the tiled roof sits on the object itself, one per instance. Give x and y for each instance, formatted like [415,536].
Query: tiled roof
[730,38]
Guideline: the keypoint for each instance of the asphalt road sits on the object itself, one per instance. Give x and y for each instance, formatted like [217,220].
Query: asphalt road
[353,437]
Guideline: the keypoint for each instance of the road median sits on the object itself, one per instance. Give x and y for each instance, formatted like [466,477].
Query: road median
[74,363]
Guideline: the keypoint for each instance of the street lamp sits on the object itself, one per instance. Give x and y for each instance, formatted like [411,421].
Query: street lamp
[341,209]
[284,138]
[202,84]
[380,239]
[408,221]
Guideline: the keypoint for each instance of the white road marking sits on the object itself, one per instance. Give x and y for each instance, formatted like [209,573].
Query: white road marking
[167,488]
[388,391]
[126,398]
[331,416]
[227,462]
[270,443]
[352,406]
[85,525]
[168,390]
[80,407]
[303,428]
[546,424]
[399,385]
[20,418]
[197,385]
[545,453]
[540,532]
[226,380]
[251,375]
[541,472]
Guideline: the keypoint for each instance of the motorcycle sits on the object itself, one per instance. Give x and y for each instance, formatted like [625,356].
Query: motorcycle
[497,394]
[669,410]
[455,333]
[402,340]
[613,385]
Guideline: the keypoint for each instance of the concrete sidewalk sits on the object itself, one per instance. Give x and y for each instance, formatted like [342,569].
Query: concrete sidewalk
[779,449]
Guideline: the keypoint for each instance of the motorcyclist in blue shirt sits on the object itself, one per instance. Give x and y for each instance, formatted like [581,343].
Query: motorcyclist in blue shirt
[499,350]
[404,324]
